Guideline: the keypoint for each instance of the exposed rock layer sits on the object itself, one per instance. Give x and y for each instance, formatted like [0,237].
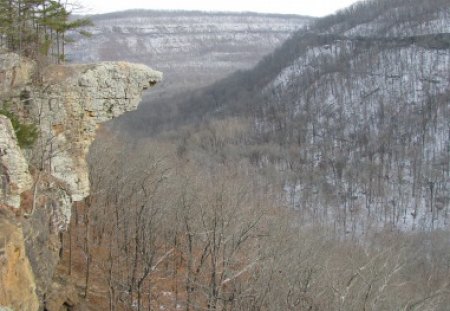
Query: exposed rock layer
[17,285]
[71,109]
[14,174]
[67,103]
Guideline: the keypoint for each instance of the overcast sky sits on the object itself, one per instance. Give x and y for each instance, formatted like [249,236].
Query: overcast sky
[301,7]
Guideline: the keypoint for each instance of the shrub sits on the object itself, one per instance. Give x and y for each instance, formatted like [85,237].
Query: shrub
[26,134]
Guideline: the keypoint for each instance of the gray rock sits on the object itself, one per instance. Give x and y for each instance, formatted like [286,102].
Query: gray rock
[67,105]
[71,109]
[14,175]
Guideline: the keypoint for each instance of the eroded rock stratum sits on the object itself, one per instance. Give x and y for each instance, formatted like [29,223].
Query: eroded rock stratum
[40,183]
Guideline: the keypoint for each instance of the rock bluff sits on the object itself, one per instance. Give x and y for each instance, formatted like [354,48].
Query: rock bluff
[39,184]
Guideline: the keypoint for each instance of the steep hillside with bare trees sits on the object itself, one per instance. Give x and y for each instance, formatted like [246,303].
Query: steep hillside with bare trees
[318,180]
[360,118]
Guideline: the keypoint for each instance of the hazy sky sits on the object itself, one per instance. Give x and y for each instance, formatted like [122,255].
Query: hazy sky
[302,7]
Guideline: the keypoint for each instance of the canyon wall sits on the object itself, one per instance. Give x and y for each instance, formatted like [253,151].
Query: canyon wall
[62,106]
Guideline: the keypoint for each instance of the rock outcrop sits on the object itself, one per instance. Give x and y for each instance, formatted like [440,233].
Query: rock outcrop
[17,290]
[67,104]
[71,109]
[14,72]
[14,174]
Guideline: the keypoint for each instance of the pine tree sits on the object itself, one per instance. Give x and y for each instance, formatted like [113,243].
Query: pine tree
[36,28]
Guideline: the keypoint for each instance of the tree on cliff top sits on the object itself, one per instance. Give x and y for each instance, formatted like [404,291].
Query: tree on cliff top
[37,28]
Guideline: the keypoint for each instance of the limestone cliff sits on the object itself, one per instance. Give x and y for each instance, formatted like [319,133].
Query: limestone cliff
[14,167]
[17,288]
[39,184]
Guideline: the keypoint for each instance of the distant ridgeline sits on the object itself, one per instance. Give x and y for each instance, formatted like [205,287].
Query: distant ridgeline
[193,49]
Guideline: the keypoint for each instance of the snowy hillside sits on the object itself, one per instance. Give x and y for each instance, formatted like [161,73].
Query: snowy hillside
[353,112]
[364,110]
[371,122]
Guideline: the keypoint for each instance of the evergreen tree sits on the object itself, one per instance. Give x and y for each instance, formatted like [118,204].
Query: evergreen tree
[36,28]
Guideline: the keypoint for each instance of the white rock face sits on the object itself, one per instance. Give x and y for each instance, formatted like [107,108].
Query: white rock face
[67,108]
[71,109]
[15,71]
[14,175]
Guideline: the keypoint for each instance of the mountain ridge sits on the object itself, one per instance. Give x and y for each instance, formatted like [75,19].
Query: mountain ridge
[193,49]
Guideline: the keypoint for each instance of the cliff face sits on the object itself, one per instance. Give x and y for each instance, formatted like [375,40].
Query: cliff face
[70,111]
[14,167]
[17,288]
[39,185]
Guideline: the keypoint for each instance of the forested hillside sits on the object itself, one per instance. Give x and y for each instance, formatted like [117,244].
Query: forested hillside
[318,180]
[360,117]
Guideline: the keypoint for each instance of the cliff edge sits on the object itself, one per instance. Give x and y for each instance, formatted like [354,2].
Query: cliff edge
[64,105]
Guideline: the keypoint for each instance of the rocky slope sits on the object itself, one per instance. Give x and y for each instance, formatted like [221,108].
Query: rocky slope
[191,48]
[39,184]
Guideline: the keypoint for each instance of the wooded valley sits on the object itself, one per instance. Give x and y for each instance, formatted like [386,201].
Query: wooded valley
[318,180]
